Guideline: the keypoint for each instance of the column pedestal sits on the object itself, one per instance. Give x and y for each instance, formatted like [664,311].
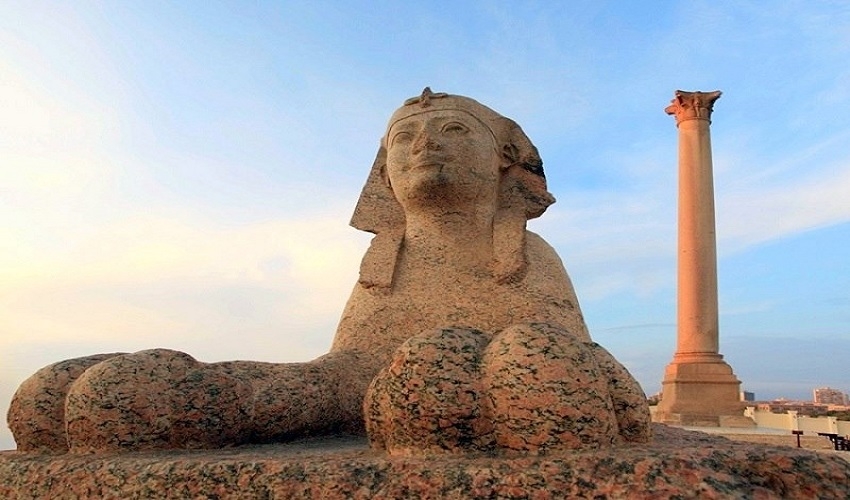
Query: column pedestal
[701,391]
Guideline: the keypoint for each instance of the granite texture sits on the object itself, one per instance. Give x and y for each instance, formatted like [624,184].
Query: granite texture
[36,414]
[676,464]
[155,399]
[530,389]
[430,399]
[547,392]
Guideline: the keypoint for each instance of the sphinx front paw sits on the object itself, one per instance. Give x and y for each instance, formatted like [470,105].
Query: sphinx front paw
[530,389]
[37,412]
[429,400]
[156,399]
[546,392]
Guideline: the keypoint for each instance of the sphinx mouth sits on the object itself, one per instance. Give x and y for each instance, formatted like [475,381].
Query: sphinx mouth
[430,163]
[429,166]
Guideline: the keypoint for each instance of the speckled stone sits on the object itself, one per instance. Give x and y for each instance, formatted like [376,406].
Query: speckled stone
[546,391]
[306,399]
[677,464]
[531,389]
[36,414]
[630,405]
[155,399]
[429,399]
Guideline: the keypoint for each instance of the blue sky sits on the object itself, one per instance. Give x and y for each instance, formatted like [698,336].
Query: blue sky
[181,174]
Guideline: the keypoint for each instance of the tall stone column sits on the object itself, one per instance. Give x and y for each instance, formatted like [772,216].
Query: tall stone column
[699,388]
[697,285]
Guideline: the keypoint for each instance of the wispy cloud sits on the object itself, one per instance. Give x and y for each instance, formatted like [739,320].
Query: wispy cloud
[768,211]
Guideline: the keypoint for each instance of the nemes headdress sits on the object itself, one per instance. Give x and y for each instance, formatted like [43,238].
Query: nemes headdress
[522,194]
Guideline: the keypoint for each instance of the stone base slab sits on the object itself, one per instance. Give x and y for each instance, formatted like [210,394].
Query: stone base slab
[676,464]
[700,392]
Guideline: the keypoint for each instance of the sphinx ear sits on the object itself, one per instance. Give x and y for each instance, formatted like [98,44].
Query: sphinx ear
[377,209]
[509,156]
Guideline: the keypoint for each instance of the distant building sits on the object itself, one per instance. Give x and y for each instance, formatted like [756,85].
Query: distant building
[801,407]
[748,396]
[828,396]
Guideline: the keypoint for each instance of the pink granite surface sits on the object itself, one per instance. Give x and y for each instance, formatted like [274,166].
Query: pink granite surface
[528,389]
[676,464]
[37,412]
[155,399]
[160,399]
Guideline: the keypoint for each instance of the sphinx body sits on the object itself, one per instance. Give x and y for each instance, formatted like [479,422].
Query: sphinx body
[455,296]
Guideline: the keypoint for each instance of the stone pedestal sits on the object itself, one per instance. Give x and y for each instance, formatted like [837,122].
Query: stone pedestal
[675,464]
[701,392]
[699,388]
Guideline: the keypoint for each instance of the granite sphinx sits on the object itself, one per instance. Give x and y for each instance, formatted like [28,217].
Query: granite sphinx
[462,334]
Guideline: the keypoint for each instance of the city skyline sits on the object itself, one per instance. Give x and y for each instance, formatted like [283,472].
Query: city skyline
[182,175]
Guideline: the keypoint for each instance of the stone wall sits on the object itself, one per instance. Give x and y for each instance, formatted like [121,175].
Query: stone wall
[792,422]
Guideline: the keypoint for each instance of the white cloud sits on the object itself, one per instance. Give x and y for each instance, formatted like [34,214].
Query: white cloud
[778,204]
[319,253]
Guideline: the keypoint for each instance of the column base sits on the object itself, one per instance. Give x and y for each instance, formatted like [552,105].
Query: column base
[700,390]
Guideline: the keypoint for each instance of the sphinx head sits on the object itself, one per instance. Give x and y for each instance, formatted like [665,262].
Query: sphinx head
[445,151]
[442,160]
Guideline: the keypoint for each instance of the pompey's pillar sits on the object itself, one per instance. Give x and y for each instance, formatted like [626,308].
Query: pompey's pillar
[699,388]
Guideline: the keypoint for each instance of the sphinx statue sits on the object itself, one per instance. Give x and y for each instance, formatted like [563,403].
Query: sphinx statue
[463,332]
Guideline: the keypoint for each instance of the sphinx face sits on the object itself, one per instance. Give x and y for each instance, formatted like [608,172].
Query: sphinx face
[444,158]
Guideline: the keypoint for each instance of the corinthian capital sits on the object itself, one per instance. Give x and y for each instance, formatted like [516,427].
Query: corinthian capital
[692,105]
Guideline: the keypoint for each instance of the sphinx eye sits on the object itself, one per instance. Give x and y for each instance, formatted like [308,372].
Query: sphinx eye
[401,138]
[454,128]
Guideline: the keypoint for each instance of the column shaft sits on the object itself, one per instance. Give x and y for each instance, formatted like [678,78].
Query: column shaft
[697,273]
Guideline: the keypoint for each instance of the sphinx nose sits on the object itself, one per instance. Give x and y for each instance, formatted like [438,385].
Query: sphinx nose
[425,141]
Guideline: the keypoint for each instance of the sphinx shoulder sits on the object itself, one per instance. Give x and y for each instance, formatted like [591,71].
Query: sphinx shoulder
[538,250]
